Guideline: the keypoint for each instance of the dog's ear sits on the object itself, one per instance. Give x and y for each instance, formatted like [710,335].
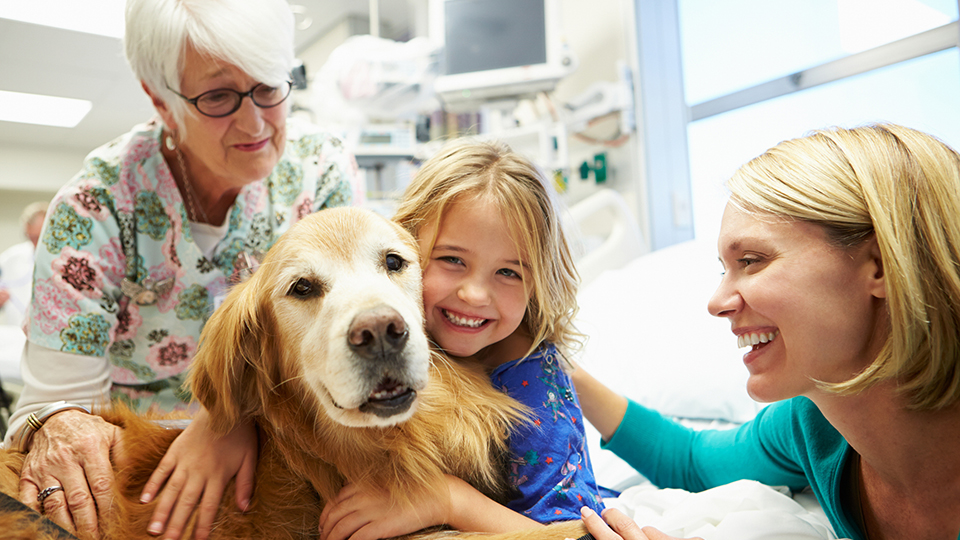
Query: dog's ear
[222,373]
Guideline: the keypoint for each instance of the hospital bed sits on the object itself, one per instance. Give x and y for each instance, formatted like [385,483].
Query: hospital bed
[650,337]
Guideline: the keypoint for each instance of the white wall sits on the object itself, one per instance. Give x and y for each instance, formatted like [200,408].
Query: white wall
[316,54]
[38,169]
[29,174]
[599,32]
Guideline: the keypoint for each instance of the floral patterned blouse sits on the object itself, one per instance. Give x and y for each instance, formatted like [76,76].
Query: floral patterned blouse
[549,465]
[118,274]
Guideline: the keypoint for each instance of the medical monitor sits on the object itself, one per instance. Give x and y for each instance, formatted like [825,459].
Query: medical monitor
[499,49]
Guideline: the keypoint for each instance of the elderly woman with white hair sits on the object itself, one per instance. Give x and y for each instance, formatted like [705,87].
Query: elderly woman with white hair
[140,246]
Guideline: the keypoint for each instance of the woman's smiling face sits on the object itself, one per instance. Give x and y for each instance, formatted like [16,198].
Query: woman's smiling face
[239,148]
[808,310]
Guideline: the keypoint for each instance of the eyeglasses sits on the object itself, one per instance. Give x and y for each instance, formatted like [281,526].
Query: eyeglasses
[226,101]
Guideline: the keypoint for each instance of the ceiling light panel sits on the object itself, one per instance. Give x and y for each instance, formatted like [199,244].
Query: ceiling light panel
[102,17]
[43,110]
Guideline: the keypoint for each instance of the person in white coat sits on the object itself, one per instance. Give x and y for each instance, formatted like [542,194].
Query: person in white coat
[16,265]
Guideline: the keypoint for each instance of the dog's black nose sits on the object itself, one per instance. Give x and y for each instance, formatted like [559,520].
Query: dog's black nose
[378,332]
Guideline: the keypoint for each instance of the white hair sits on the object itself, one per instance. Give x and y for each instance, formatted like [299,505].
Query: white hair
[253,35]
[31,211]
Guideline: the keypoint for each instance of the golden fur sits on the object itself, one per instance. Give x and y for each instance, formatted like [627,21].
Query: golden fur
[324,348]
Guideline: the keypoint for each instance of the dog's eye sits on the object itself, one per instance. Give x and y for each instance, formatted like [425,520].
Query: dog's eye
[302,288]
[394,262]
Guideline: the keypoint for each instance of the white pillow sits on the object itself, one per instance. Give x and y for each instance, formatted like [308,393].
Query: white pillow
[651,338]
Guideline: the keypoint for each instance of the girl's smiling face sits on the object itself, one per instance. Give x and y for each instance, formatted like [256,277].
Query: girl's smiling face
[808,310]
[473,282]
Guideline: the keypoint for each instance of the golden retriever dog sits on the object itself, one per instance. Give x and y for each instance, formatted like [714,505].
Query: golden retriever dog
[324,348]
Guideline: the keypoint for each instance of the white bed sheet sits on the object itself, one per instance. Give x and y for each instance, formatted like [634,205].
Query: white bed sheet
[741,510]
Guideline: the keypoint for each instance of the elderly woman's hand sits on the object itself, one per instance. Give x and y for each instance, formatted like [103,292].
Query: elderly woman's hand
[196,469]
[615,525]
[72,451]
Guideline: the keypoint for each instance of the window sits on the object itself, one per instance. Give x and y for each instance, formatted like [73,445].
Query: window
[730,45]
[735,48]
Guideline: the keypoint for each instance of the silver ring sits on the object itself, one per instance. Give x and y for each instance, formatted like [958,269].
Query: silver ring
[42,496]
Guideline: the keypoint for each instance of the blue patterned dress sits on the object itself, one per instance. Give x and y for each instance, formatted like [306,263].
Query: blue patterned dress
[122,216]
[549,464]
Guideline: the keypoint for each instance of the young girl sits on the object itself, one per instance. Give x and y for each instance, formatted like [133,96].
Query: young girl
[499,289]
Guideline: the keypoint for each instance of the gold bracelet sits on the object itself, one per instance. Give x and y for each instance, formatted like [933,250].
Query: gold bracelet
[36,420]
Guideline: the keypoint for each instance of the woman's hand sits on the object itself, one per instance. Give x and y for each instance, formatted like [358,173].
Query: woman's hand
[72,450]
[615,525]
[197,467]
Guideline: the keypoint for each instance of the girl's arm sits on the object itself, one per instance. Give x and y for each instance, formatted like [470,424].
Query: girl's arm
[603,407]
[196,468]
[473,511]
[360,515]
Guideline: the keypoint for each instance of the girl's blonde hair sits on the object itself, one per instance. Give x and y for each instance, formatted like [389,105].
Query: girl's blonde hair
[902,187]
[467,168]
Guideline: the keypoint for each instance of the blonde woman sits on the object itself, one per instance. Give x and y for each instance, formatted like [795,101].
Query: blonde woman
[841,253]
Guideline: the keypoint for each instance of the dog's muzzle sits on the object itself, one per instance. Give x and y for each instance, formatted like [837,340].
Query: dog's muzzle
[378,337]
[389,399]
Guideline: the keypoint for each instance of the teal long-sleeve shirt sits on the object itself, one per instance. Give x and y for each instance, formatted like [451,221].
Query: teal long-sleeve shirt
[788,443]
